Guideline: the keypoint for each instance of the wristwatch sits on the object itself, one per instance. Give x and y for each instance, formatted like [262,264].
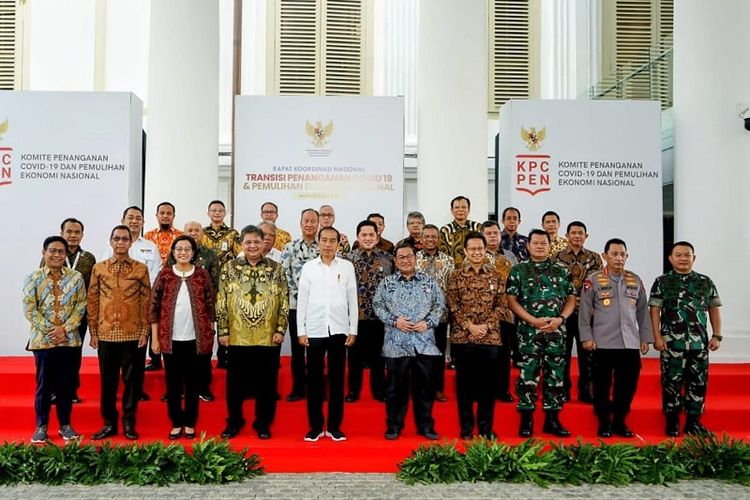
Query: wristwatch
[717,337]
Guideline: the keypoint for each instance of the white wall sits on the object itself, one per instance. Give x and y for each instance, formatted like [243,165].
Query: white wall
[712,153]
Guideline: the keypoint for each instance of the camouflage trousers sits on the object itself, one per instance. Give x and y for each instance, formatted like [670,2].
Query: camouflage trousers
[542,355]
[688,370]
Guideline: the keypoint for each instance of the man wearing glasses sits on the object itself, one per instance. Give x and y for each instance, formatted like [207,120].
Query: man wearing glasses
[409,303]
[327,219]
[269,212]
[118,310]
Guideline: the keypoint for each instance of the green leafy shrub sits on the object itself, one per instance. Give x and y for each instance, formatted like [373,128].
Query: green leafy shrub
[208,461]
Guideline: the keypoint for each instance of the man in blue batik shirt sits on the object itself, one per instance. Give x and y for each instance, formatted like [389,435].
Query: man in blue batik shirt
[409,303]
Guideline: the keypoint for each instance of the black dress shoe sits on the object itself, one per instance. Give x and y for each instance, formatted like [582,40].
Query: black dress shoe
[263,433]
[429,434]
[379,398]
[105,432]
[145,397]
[208,397]
[466,435]
[392,434]
[129,433]
[351,397]
[604,431]
[190,435]
[230,431]
[153,367]
[440,397]
[673,424]
[622,430]
[488,435]
[76,399]
[175,435]
[505,398]
[294,396]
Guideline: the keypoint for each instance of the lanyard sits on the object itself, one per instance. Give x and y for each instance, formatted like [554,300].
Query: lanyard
[75,262]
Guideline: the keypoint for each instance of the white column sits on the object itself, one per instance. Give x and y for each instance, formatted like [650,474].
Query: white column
[182,108]
[570,47]
[712,154]
[452,104]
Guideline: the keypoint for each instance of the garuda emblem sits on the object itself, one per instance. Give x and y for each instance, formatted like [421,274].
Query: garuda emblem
[319,135]
[533,138]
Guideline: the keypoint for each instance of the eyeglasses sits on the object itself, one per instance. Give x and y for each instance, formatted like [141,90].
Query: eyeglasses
[326,215]
[405,257]
[268,211]
[474,249]
[53,251]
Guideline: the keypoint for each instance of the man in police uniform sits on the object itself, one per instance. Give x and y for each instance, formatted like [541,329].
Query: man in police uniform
[613,321]
[679,302]
[542,298]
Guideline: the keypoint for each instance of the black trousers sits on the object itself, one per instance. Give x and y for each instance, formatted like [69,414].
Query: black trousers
[335,347]
[79,354]
[403,374]
[476,380]
[54,373]
[258,365]
[585,359]
[507,332]
[438,364]
[116,358]
[205,375]
[368,349]
[182,370]
[615,371]
[298,356]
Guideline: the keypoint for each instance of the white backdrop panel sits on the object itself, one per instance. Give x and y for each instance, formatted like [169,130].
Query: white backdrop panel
[355,163]
[594,161]
[64,154]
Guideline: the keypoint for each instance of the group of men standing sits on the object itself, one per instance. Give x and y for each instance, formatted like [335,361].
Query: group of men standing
[495,295]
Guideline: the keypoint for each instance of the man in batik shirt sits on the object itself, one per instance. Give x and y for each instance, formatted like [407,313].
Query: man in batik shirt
[580,262]
[409,303]
[251,317]
[496,258]
[439,266]
[551,224]
[475,299]
[54,300]
[225,243]
[293,258]
[414,225]
[512,242]
[452,235]
[165,234]
[371,265]
[269,212]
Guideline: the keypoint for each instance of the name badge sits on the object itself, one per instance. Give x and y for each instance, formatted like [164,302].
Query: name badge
[224,246]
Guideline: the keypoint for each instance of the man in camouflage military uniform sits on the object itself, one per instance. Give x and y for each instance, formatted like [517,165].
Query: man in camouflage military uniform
[679,302]
[613,322]
[542,298]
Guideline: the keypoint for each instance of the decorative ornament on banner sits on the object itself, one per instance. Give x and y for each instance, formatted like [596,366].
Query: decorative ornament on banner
[289,152]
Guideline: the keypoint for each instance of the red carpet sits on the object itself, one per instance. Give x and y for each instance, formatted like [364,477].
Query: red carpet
[728,410]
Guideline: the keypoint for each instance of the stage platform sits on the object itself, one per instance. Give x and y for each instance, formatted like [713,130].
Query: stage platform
[728,410]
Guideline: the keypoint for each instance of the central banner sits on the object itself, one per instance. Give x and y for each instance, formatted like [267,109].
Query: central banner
[594,161]
[303,152]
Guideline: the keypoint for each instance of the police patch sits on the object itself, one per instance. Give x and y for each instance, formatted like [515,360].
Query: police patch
[587,284]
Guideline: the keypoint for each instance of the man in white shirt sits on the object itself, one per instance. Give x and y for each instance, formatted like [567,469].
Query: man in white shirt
[142,250]
[327,314]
